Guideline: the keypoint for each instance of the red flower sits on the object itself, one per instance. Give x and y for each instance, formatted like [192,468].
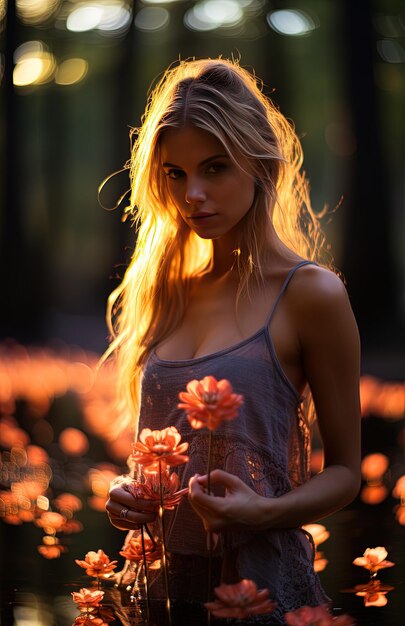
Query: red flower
[240,600]
[86,598]
[97,564]
[316,616]
[159,447]
[209,402]
[150,490]
[373,559]
[133,550]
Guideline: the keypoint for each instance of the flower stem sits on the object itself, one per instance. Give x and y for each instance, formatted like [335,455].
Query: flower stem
[209,462]
[210,536]
[164,557]
[145,571]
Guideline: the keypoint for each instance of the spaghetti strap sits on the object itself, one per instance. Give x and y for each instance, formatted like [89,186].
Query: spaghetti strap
[285,285]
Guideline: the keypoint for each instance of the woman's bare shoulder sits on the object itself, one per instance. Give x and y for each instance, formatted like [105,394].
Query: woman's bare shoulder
[314,286]
[320,305]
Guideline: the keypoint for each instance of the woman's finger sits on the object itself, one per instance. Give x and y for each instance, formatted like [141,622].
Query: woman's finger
[219,477]
[122,525]
[122,514]
[126,499]
[200,499]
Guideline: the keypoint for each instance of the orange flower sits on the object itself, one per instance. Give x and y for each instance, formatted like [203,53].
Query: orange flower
[240,600]
[99,616]
[88,619]
[374,598]
[150,490]
[209,402]
[373,559]
[316,616]
[159,447]
[133,550]
[86,598]
[97,564]
[374,593]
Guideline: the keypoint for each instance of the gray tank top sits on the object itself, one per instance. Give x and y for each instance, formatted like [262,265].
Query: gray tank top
[267,446]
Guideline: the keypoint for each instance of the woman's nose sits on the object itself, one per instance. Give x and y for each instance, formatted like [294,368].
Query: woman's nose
[195,192]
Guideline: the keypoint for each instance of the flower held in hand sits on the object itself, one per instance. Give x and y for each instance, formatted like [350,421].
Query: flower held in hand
[209,402]
[150,490]
[159,447]
[240,600]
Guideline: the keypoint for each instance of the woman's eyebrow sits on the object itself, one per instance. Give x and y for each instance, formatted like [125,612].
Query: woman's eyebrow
[207,160]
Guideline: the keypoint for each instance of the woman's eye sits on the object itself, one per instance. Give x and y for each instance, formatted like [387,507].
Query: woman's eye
[174,174]
[215,168]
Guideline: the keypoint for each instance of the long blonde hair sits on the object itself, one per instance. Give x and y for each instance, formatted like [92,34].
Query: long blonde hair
[221,97]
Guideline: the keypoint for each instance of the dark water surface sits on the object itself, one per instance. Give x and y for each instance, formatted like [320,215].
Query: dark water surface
[37,592]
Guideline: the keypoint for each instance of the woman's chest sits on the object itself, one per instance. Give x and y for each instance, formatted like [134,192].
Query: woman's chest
[213,322]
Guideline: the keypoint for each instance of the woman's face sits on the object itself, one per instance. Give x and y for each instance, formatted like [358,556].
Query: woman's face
[211,193]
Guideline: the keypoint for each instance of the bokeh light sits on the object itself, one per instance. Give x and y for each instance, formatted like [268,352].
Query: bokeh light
[291,22]
[51,522]
[35,12]
[389,25]
[3,9]
[318,532]
[84,18]
[340,138]
[73,442]
[210,14]
[115,19]
[67,504]
[373,494]
[391,51]
[374,466]
[107,17]
[399,489]
[152,19]
[99,479]
[34,65]
[316,460]
[71,71]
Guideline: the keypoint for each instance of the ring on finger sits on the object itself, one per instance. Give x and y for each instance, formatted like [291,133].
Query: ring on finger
[124,513]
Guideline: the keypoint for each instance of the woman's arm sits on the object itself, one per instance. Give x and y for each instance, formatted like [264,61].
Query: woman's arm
[330,352]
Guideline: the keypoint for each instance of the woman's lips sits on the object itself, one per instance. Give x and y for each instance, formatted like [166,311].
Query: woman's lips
[201,216]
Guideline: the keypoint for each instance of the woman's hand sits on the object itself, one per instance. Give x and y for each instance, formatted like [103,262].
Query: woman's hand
[239,506]
[127,512]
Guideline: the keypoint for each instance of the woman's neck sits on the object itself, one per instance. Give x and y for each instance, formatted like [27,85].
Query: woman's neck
[226,251]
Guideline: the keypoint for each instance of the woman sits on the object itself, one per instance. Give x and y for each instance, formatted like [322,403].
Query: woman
[227,280]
